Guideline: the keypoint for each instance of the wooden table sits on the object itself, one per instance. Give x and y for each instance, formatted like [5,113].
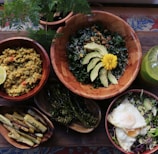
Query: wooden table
[66,137]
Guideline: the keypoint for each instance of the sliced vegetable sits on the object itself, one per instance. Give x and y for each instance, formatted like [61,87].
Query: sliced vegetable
[5,120]
[103,77]
[95,71]
[98,47]
[92,63]
[23,127]
[89,56]
[153,132]
[112,78]
[147,104]
[37,124]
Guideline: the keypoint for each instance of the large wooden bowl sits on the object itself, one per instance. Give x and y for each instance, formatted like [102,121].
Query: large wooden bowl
[15,42]
[113,23]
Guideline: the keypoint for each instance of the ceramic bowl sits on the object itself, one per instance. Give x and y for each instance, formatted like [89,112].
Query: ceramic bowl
[114,24]
[144,107]
[17,42]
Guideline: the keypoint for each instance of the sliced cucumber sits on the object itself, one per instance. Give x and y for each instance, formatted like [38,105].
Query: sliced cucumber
[95,71]
[147,104]
[112,78]
[94,46]
[89,56]
[103,77]
[92,63]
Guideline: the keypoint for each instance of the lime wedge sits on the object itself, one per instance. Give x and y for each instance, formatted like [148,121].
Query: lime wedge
[149,66]
[3,75]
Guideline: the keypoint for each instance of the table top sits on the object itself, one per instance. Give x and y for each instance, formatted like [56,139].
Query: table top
[67,137]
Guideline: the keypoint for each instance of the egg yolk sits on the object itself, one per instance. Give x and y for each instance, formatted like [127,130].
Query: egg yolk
[133,133]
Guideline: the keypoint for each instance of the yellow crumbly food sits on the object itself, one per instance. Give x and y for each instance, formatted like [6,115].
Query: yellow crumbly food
[24,70]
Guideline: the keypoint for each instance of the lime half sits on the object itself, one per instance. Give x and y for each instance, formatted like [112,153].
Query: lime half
[3,75]
[149,66]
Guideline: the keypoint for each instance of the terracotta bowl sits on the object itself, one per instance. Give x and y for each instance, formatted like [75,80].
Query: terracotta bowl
[111,127]
[56,24]
[114,24]
[15,42]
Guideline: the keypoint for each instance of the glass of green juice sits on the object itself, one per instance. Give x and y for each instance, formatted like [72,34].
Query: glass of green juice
[149,67]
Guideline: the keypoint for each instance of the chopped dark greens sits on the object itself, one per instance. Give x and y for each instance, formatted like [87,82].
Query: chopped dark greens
[67,107]
[114,43]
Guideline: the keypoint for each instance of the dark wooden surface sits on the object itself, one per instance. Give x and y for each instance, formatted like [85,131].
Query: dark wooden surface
[66,137]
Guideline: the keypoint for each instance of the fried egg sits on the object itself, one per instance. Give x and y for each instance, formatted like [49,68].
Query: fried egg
[128,122]
[126,116]
[124,140]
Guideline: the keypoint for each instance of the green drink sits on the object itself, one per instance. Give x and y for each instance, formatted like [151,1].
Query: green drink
[149,67]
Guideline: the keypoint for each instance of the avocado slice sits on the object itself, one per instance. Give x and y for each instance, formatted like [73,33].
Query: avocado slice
[103,77]
[112,78]
[95,71]
[89,56]
[97,47]
[92,63]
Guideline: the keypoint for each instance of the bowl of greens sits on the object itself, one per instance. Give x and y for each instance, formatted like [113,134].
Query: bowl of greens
[66,108]
[131,122]
[97,56]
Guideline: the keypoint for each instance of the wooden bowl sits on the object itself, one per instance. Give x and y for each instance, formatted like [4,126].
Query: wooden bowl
[42,101]
[113,23]
[17,42]
[9,108]
[115,102]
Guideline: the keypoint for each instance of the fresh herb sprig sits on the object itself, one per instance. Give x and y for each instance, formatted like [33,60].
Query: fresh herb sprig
[44,37]
[19,12]
[22,11]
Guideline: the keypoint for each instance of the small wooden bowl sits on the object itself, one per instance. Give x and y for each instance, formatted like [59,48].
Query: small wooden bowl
[42,102]
[15,42]
[9,108]
[109,127]
[113,23]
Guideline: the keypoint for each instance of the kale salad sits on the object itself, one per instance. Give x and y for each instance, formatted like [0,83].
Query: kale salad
[113,58]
